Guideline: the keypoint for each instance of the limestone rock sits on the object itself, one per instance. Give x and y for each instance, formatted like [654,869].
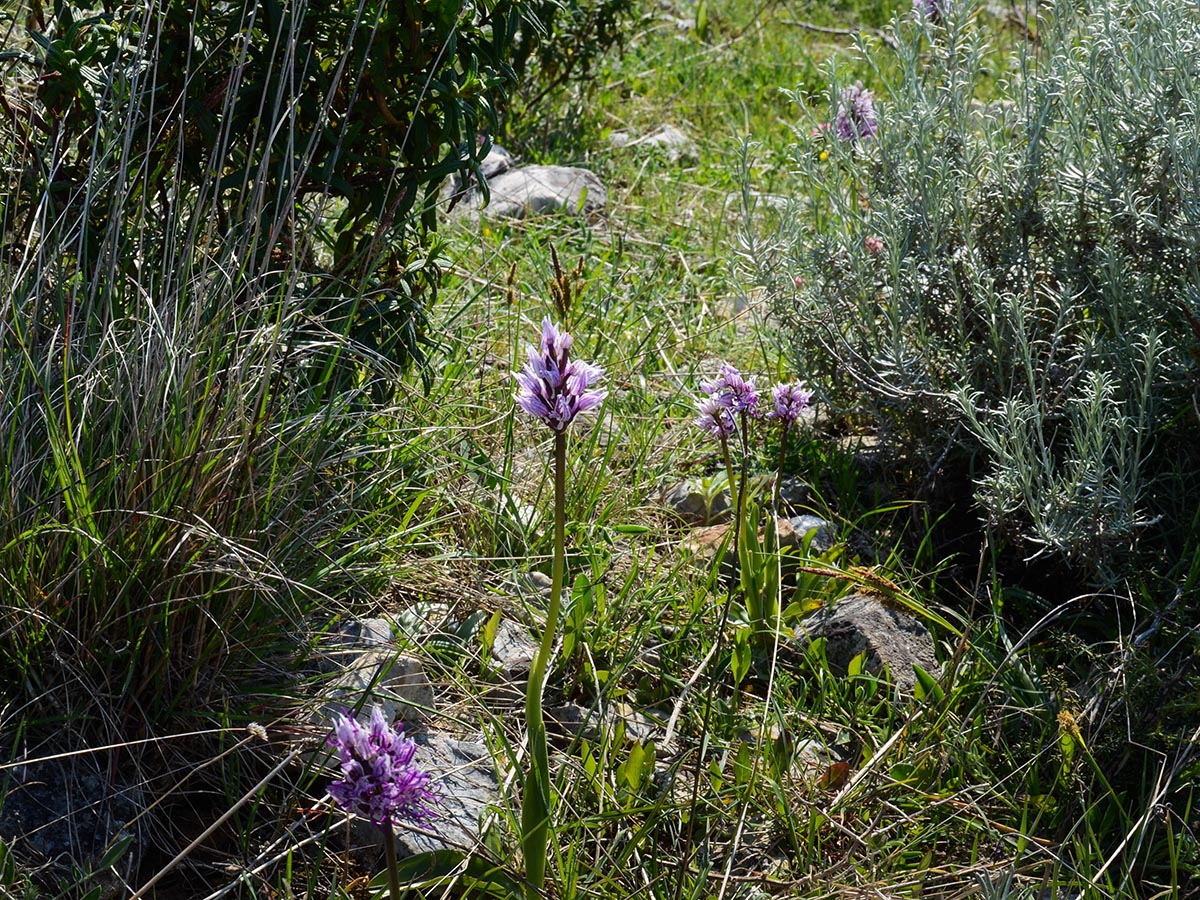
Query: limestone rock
[572,720]
[397,683]
[520,191]
[694,505]
[889,637]
[667,139]
[527,585]
[513,651]
[359,633]
[795,494]
[790,533]
[467,782]
[824,536]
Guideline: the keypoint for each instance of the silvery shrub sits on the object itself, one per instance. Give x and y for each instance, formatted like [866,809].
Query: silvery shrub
[1003,281]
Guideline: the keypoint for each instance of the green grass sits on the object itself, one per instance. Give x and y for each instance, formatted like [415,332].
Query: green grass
[977,783]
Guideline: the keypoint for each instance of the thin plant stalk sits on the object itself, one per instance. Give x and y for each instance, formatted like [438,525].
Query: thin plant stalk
[393,868]
[536,824]
[783,446]
[734,493]
[736,503]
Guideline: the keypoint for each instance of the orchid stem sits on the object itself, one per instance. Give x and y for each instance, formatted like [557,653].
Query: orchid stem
[733,491]
[389,849]
[536,824]
[783,441]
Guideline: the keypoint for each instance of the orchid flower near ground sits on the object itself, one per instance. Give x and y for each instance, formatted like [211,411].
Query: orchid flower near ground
[730,403]
[856,119]
[556,390]
[379,780]
[790,400]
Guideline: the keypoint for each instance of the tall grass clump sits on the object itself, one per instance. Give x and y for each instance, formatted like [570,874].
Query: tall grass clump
[1001,276]
[218,250]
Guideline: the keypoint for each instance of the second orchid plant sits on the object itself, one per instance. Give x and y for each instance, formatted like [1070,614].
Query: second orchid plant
[729,406]
[556,390]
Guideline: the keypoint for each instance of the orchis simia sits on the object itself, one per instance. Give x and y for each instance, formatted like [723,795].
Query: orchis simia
[729,404]
[556,390]
[379,780]
[790,401]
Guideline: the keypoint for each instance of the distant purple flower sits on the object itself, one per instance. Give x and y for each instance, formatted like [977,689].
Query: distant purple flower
[933,10]
[715,417]
[856,119]
[730,389]
[554,388]
[379,780]
[790,401]
[873,243]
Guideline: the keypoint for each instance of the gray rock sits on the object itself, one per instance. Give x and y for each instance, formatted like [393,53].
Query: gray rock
[694,505]
[396,683]
[467,782]
[513,651]
[360,633]
[536,190]
[795,494]
[666,139]
[528,585]
[497,161]
[813,754]
[572,720]
[862,624]
[824,538]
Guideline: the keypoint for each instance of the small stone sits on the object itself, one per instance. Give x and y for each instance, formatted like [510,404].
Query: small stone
[862,624]
[358,633]
[813,754]
[795,494]
[694,505]
[536,190]
[573,720]
[513,651]
[396,683]
[705,542]
[528,585]
[570,721]
[823,537]
[669,140]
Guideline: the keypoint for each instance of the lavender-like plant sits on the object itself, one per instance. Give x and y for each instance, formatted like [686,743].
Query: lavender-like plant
[555,389]
[379,780]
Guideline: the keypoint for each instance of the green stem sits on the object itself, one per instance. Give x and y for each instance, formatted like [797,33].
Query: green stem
[536,825]
[783,436]
[389,849]
[736,493]
[733,491]
[741,493]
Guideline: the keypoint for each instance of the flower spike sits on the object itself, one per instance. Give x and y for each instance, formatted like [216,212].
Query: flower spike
[553,387]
